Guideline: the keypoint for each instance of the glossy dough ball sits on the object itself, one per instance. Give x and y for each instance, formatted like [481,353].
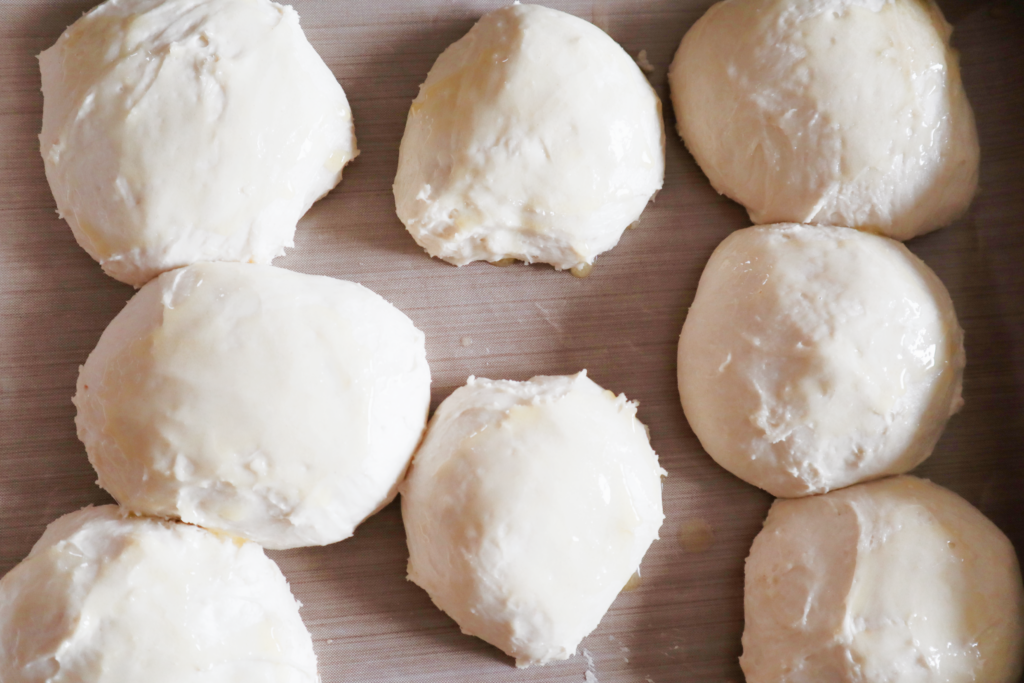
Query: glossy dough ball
[895,580]
[832,112]
[535,137]
[813,358]
[528,508]
[177,131]
[107,598]
[277,406]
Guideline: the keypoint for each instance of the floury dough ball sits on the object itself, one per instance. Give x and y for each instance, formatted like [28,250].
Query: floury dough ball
[179,131]
[108,598]
[535,137]
[528,508]
[832,112]
[813,358]
[895,580]
[280,407]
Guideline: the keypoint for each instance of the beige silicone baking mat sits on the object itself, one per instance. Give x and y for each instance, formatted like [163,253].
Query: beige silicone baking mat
[683,621]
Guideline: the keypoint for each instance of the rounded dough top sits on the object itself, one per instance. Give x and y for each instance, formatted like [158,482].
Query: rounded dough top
[895,580]
[816,357]
[107,598]
[528,508]
[178,131]
[535,137]
[832,112]
[254,400]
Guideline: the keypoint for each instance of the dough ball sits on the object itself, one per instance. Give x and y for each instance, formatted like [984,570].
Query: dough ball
[108,598]
[528,508]
[280,407]
[896,580]
[832,112]
[534,137]
[817,357]
[177,131]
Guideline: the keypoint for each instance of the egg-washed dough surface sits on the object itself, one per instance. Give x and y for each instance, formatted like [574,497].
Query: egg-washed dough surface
[534,137]
[105,597]
[527,509]
[897,579]
[181,131]
[277,406]
[682,620]
[799,123]
[814,357]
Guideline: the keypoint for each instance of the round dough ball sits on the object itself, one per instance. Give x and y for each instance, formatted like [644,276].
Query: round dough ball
[817,357]
[528,508]
[277,406]
[896,580]
[534,137]
[107,598]
[832,112]
[176,132]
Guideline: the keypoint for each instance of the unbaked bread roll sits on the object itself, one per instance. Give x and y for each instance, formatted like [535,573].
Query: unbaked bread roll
[535,137]
[813,358]
[528,508]
[277,406]
[177,131]
[108,598]
[895,580]
[832,112]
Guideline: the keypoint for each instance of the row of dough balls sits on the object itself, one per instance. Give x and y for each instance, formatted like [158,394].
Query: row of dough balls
[271,406]
[814,358]
[892,580]
[817,357]
[175,133]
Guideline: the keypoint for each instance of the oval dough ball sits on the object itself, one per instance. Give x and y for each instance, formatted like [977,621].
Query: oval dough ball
[277,406]
[176,132]
[895,580]
[817,357]
[832,112]
[534,137]
[107,598]
[528,508]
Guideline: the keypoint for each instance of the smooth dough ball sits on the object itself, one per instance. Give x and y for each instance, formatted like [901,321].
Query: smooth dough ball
[528,508]
[895,580]
[832,112]
[108,598]
[177,131]
[277,406]
[534,137]
[813,358]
